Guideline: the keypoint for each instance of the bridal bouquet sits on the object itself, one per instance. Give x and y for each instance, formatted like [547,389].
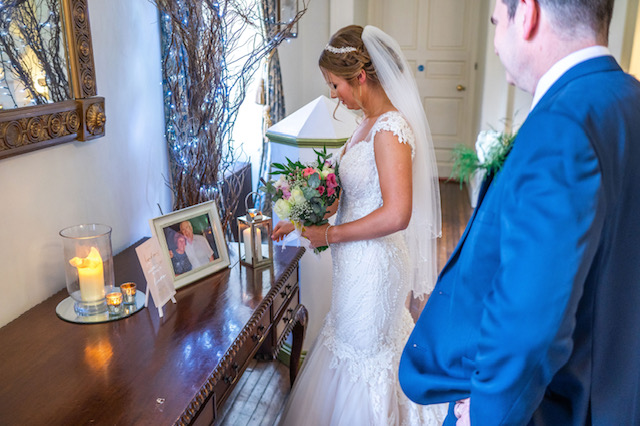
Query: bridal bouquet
[304,192]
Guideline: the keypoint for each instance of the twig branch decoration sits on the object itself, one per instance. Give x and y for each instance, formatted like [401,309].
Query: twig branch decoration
[208,61]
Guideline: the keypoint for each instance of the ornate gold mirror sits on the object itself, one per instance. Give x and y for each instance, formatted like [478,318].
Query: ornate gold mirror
[47,76]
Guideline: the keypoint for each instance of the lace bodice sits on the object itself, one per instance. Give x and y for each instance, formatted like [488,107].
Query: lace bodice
[358,173]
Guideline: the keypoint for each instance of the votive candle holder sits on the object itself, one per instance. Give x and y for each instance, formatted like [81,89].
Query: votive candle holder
[114,303]
[129,293]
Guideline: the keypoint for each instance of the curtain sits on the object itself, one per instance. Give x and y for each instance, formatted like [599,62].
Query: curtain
[274,94]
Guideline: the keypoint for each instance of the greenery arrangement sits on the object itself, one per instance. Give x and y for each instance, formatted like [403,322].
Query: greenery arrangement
[466,161]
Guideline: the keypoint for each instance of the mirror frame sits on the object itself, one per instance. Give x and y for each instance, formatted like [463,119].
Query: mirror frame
[82,118]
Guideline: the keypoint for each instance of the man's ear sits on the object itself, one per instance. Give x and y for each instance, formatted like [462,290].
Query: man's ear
[530,18]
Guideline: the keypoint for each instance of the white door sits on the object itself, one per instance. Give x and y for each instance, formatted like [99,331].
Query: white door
[440,39]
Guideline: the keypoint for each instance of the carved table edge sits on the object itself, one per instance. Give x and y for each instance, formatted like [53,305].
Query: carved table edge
[205,391]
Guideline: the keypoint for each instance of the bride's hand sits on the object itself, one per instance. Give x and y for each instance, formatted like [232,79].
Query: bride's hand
[315,235]
[281,230]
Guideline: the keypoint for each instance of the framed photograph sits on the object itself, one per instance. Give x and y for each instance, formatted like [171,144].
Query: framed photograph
[192,242]
[287,10]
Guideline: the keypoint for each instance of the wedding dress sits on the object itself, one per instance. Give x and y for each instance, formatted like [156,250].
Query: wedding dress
[350,375]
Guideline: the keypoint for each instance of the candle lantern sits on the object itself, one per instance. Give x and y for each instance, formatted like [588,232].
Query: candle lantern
[255,246]
[88,264]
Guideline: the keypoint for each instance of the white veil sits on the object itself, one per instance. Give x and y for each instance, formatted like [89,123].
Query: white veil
[401,89]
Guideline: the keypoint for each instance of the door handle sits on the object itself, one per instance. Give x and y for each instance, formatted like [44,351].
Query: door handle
[460,88]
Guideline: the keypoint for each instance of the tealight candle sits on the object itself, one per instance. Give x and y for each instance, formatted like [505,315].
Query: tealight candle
[114,303]
[129,292]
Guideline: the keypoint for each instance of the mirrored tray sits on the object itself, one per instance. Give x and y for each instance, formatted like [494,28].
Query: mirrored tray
[65,311]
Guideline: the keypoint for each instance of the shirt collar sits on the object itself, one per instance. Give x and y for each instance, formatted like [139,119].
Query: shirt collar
[564,65]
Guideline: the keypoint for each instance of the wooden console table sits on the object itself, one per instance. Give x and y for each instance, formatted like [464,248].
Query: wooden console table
[144,369]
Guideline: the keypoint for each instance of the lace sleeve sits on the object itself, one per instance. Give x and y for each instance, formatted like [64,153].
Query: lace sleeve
[394,122]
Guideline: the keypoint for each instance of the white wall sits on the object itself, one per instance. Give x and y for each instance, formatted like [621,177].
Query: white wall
[301,77]
[116,180]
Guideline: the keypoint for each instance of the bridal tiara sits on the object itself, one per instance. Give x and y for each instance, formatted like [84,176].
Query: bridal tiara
[345,49]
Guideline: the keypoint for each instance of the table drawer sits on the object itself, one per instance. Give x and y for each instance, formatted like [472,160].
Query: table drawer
[289,287]
[287,316]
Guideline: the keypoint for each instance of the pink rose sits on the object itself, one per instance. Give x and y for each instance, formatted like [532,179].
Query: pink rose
[320,189]
[286,193]
[331,180]
[330,191]
[308,171]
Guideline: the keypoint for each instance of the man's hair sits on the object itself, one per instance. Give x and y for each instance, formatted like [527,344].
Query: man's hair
[571,15]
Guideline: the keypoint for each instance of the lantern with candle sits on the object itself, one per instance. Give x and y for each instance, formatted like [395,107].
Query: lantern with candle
[88,264]
[255,246]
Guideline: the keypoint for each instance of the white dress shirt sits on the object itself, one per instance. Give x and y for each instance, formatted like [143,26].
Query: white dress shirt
[564,65]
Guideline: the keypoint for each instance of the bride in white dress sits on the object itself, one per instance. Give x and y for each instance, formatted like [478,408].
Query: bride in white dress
[383,243]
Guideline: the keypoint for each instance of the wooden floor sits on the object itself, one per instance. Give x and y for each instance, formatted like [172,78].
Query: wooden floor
[259,396]
[261,392]
[456,211]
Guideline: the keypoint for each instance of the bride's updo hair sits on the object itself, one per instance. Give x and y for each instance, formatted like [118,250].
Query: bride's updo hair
[340,58]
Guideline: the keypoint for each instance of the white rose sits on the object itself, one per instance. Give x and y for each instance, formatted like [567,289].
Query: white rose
[297,197]
[282,208]
[487,140]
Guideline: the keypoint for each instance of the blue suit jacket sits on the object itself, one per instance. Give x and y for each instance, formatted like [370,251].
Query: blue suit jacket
[536,315]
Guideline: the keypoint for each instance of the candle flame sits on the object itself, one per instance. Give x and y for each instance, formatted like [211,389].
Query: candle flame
[93,260]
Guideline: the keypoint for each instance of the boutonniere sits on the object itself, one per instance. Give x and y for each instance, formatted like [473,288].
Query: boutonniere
[492,148]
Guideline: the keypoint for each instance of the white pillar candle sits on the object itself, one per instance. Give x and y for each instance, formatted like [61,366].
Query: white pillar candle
[248,241]
[258,244]
[90,275]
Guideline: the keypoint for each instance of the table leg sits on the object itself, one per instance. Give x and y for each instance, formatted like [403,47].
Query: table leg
[300,317]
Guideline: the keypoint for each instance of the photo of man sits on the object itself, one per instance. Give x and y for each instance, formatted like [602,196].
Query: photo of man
[197,248]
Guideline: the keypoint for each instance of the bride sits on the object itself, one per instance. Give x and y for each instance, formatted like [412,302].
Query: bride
[383,243]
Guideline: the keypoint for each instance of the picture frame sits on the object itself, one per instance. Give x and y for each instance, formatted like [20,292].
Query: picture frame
[287,10]
[192,242]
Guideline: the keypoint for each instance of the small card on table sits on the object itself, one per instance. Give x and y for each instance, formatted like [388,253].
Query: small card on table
[157,274]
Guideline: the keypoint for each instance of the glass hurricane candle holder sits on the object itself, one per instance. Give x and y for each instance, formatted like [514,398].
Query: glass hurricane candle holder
[88,265]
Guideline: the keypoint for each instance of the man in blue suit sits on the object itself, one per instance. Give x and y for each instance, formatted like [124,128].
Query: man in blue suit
[534,319]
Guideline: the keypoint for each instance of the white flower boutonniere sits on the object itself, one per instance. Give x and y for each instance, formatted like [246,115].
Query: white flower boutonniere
[491,151]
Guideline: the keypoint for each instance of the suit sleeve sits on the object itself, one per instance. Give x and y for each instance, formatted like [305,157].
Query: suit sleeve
[550,219]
